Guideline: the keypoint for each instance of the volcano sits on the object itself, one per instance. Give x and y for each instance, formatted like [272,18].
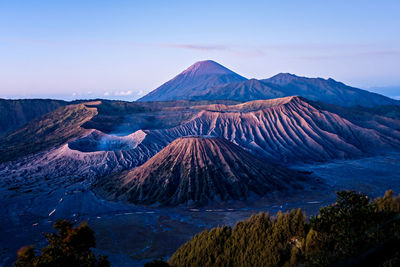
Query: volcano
[193,81]
[288,130]
[208,80]
[199,171]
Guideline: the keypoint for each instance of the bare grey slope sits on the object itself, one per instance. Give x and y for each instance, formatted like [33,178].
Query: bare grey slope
[283,130]
[198,170]
[292,130]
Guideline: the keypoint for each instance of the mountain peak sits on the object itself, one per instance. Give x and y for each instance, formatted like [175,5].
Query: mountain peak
[197,78]
[282,78]
[206,67]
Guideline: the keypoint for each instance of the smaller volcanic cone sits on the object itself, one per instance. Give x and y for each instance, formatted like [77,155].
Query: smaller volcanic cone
[199,170]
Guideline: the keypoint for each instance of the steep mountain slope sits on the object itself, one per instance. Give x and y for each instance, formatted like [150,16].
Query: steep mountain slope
[192,81]
[51,130]
[16,113]
[198,170]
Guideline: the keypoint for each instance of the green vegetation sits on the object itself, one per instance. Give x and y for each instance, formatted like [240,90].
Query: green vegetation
[354,231]
[71,246]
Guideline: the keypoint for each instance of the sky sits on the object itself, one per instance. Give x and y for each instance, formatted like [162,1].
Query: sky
[124,49]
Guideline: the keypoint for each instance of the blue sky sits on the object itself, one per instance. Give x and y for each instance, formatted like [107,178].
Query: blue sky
[123,49]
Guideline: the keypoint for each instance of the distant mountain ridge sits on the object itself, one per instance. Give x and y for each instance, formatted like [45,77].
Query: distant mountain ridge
[208,80]
[327,90]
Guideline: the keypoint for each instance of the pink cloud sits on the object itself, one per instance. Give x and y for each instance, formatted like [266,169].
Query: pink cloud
[198,47]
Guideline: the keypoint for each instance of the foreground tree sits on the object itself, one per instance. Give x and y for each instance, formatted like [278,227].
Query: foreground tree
[71,246]
[354,231]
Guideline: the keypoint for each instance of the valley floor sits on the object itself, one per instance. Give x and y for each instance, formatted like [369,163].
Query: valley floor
[132,235]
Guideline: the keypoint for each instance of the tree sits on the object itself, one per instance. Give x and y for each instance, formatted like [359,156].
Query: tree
[70,246]
[345,225]
[26,257]
[388,202]
[354,231]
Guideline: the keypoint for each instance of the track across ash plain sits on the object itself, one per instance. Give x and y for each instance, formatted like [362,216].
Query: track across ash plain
[131,235]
